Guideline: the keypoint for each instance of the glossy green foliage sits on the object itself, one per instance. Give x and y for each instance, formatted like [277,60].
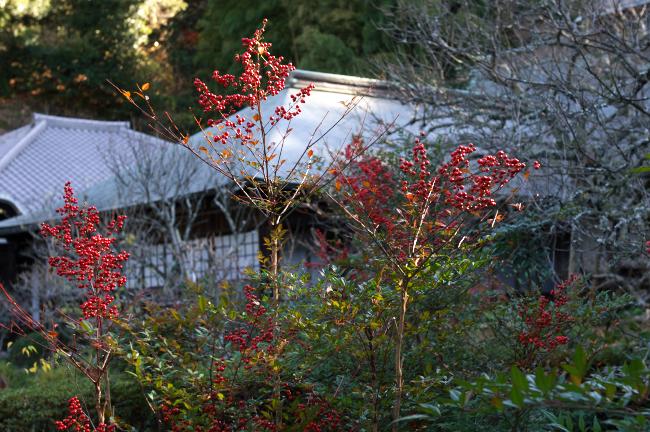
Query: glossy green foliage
[575,397]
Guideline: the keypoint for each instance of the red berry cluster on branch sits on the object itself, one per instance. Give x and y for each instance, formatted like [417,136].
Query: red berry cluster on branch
[263,75]
[371,186]
[78,421]
[429,202]
[547,321]
[259,329]
[90,260]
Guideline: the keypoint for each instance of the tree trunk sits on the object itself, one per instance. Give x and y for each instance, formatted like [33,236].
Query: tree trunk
[270,244]
[98,402]
[399,340]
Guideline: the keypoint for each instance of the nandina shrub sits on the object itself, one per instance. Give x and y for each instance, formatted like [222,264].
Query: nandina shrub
[531,329]
[88,259]
[243,146]
[545,323]
[417,221]
[232,377]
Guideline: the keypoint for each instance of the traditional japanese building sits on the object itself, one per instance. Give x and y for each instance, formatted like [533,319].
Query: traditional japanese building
[37,159]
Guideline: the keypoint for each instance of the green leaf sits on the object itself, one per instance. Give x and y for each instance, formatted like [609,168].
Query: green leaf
[581,423]
[519,380]
[86,326]
[569,422]
[545,382]
[516,397]
[596,425]
[640,170]
[430,409]
[413,417]
[580,359]
[203,304]
[578,369]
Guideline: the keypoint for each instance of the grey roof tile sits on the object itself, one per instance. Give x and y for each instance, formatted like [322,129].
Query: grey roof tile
[36,160]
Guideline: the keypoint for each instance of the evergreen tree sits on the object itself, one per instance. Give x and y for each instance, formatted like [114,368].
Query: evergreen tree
[57,56]
[338,36]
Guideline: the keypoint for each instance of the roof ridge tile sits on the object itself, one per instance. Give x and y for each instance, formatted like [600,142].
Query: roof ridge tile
[74,122]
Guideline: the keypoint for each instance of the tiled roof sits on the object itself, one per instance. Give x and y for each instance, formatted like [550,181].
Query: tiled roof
[10,139]
[36,160]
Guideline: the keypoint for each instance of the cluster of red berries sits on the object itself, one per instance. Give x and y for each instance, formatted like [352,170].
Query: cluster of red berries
[327,418]
[260,329]
[293,110]
[431,202]
[545,323]
[263,75]
[90,260]
[370,186]
[470,191]
[78,421]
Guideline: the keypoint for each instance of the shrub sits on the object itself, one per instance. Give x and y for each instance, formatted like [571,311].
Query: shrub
[27,349]
[31,402]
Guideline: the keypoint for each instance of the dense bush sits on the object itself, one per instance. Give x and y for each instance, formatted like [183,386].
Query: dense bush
[27,349]
[31,402]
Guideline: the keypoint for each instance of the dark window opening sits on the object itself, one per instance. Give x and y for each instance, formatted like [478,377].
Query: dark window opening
[7,210]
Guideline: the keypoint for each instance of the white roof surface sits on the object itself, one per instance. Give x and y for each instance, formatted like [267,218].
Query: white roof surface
[36,160]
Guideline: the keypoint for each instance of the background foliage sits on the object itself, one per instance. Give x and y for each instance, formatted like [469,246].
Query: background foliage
[55,56]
